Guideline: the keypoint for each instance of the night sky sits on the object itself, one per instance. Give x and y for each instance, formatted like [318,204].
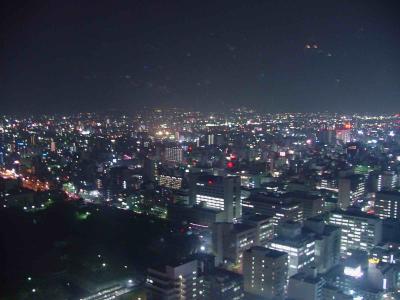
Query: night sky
[69,56]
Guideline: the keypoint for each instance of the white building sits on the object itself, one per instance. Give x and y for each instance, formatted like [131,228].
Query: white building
[359,230]
[265,272]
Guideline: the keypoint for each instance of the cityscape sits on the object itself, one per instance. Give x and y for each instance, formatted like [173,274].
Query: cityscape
[170,203]
[200,150]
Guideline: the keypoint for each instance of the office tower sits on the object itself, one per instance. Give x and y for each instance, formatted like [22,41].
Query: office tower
[328,183]
[265,272]
[174,282]
[387,205]
[343,135]
[171,182]
[174,154]
[385,181]
[230,241]
[359,230]
[215,139]
[300,247]
[327,243]
[223,284]
[351,189]
[281,207]
[264,225]
[312,205]
[218,192]
[210,139]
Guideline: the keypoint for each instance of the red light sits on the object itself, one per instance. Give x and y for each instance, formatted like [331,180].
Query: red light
[190,148]
[210,181]
[230,164]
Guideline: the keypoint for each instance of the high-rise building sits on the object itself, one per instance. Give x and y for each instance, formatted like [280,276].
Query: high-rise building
[174,154]
[387,205]
[386,181]
[174,282]
[282,207]
[359,230]
[265,272]
[343,135]
[171,182]
[351,189]
[313,205]
[264,225]
[215,139]
[300,247]
[219,192]
[327,243]
[210,139]
[231,240]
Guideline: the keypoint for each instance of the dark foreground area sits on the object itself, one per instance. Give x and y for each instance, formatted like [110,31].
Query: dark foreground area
[67,249]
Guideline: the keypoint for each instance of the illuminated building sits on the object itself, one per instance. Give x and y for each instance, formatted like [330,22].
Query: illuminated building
[219,192]
[281,207]
[387,253]
[327,243]
[174,154]
[359,230]
[312,205]
[171,182]
[210,139]
[386,181]
[328,183]
[387,205]
[300,247]
[351,189]
[174,282]
[265,272]
[264,225]
[231,240]
[250,181]
[344,134]
[215,139]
